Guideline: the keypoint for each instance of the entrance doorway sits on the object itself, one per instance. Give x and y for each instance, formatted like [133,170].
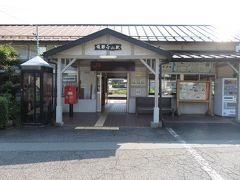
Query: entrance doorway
[117,91]
[117,94]
[114,92]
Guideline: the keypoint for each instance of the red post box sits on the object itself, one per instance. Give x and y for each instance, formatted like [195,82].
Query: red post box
[70,94]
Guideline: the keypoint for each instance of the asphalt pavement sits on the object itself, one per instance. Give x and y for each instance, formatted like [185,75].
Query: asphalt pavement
[178,151]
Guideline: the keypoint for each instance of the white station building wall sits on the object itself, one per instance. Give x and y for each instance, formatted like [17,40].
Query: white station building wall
[138,80]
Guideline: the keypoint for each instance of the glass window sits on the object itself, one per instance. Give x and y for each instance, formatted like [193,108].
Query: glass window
[31,98]
[151,89]
[69,78]
[47,96]
[168,84]
[193,77]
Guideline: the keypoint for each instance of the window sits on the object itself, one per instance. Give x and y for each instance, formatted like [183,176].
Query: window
[151,87]
[193,77]
[168,84]
[69,77]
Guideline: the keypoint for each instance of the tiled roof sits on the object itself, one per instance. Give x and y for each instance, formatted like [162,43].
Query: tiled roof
[104,32]
[70,32]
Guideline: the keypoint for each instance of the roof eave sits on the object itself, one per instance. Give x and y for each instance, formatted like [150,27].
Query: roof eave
[103,32]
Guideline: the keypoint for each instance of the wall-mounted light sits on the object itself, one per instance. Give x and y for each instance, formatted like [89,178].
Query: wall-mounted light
[107,57]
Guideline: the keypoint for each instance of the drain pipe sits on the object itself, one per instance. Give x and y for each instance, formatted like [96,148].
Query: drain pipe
[55,88]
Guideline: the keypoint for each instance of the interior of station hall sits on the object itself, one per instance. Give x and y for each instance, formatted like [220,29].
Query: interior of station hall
[198,54]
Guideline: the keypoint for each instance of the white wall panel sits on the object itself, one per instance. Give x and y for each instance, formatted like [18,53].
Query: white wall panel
[84,105]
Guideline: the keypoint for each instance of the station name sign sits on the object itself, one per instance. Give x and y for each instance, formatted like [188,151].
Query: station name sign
[112,66]
[110,47]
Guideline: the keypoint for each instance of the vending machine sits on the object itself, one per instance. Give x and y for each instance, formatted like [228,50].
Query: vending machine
[225,97]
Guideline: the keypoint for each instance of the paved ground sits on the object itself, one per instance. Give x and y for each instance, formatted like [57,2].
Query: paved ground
[180,151]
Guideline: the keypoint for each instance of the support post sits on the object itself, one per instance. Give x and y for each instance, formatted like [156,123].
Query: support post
[238,95]
[160,93]
[59,120]
[70,110]
[155,123]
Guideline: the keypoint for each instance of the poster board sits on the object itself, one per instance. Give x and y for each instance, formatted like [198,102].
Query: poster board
[194,92]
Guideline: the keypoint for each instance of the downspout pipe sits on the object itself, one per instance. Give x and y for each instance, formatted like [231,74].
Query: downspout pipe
[55,87]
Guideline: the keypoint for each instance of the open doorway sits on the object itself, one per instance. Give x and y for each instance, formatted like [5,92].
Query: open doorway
[116,92]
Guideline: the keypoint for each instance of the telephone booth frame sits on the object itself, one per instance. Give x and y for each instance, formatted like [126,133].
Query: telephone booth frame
[36,92]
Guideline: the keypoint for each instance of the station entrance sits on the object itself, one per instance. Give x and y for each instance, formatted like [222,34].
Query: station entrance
[112,106]
[112,92]
[99,54]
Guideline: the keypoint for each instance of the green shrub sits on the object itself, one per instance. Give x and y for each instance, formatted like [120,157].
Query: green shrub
[11,106]
[14,113]
[7,87]
[13,110]
[3,112]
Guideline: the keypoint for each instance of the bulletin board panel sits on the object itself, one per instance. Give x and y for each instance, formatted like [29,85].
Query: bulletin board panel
[194,92]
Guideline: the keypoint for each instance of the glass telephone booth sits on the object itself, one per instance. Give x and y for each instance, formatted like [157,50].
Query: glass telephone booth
[36,92]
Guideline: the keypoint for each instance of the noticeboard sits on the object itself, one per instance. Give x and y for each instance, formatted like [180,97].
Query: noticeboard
[193,91]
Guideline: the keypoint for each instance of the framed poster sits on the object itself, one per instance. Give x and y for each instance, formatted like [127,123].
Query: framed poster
[193,91]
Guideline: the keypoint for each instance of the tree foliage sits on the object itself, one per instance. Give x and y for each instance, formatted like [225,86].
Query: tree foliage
[8,60]
[8,57]
[8,104]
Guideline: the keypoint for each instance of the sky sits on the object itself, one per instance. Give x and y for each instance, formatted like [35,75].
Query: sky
[214,12]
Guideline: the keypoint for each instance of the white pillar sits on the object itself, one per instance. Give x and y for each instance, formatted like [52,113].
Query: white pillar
[156,123]
[59,120]
[238,96]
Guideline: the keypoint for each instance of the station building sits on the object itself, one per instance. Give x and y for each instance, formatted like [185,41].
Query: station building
[184,69]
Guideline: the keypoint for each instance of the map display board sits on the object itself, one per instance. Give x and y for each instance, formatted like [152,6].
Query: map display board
[193,91]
